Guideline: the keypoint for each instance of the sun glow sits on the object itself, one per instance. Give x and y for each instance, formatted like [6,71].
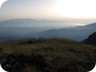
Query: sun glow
[75,8]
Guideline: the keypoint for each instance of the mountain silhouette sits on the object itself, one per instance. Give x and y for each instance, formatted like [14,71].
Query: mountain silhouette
[91,39]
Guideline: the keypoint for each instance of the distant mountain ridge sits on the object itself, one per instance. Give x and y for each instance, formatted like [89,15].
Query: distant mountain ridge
[16,22]
[76,33]
[26,22]
[12,29]
[89,26]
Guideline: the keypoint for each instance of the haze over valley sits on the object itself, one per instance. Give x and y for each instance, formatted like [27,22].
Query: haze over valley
[30,28]
[47,19]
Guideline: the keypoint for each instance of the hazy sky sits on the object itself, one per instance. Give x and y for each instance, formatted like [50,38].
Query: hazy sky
[82,10]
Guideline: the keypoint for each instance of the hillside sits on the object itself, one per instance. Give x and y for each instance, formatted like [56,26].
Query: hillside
[91,39]
[47,55]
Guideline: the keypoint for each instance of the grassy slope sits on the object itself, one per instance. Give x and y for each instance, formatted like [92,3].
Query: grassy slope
[60,55]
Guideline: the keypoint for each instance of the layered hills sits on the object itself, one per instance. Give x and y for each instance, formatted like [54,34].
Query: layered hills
[29,28]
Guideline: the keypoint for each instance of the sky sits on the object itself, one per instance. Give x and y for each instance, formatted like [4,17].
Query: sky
[73,11]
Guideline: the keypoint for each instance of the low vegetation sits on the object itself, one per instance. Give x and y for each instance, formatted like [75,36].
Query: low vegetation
[50,55]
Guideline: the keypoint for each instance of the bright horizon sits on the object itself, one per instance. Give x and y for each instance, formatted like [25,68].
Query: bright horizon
[81,11]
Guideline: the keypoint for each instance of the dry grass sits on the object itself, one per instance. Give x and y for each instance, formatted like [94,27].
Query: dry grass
[57,52]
